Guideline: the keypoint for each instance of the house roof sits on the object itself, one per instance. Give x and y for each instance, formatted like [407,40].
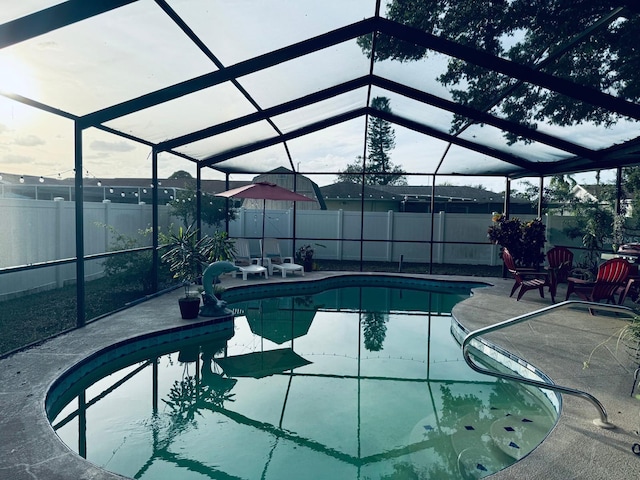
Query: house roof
[348,191]
[595,192]
[447,192]
[207,186]
[240,87]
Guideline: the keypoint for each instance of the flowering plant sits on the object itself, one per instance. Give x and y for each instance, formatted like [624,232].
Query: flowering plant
[524,240]
[305,252]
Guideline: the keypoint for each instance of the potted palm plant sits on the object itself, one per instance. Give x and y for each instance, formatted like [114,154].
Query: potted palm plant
[185,255]
[220,247]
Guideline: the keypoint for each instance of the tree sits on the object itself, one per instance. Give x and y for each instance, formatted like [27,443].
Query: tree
[374,327]
[526,32]
[598,222]
[560,190]
[212,209]
[180,174]
[353,172]
[380,141]
[529,192]
[593,223]
[183,205]
[556,197]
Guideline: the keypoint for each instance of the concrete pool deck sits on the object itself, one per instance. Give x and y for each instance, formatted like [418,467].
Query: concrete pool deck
[557,344]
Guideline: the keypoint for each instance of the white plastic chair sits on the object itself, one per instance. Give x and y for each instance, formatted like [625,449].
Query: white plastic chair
[245,262]
[274,260]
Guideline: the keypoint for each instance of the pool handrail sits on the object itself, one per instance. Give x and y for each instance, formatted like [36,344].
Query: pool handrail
[603,421]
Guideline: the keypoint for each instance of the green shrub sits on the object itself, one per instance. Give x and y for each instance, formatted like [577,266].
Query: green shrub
[132,269]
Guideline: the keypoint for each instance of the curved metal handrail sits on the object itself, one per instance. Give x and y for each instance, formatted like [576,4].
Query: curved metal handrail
[603,420]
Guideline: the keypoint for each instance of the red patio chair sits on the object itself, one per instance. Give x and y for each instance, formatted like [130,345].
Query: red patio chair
[560,262]
[525,279]
[612,275]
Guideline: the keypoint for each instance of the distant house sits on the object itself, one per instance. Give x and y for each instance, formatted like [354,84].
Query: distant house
[140,190]
[601,193]
[338,196]
[587,193]
[448,198]
[285,178]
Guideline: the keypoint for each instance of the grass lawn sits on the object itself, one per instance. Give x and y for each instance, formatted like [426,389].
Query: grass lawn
[34,317]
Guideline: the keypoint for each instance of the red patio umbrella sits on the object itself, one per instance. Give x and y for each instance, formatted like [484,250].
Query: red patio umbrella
[261,364]
[264,191]
[279,323]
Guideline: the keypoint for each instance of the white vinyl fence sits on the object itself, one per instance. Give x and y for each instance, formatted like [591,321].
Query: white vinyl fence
[37,231]
[458,238]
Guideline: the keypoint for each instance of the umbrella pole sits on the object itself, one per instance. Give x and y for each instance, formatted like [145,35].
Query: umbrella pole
[264,216]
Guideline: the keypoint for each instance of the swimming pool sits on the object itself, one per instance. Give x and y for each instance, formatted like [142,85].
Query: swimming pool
[347,382]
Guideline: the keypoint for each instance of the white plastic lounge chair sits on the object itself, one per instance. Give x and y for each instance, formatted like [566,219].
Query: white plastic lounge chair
[245,262]
[274,260]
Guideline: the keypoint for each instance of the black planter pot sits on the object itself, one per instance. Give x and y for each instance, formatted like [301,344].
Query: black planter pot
[189,307]
[308,265]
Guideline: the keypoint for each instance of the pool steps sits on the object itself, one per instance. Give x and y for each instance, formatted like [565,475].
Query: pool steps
[470,340]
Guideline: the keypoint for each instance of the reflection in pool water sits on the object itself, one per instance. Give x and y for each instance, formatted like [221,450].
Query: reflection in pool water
[353,383]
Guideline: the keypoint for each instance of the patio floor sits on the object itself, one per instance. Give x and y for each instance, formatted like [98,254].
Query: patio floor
[557,343]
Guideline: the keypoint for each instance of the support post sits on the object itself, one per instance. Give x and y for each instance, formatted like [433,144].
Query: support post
[79,205]
[155,220]
[541,197]
[389,241]
[507,206]
[199,201]
[441,237]
[227,200]
[507,198]
[433,221]
[340,235]
[292,224]
[618,190]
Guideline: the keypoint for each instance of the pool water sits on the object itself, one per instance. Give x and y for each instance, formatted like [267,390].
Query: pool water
[348,383]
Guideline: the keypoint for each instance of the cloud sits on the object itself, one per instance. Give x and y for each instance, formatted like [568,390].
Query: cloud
[103,146]
[16,159]
[3,128]
[97,156]
[50,45]
[28,141]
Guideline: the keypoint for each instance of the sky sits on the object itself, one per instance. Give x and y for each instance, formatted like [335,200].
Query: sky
[41,144]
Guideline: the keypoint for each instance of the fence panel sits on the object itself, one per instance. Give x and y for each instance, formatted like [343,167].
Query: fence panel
[415,229]
[323,229]
[459,228]
[40,231]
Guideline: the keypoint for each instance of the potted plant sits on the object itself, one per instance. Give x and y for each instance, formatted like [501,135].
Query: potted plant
[219,247]
[185,255]
[304,255]
[524,240]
